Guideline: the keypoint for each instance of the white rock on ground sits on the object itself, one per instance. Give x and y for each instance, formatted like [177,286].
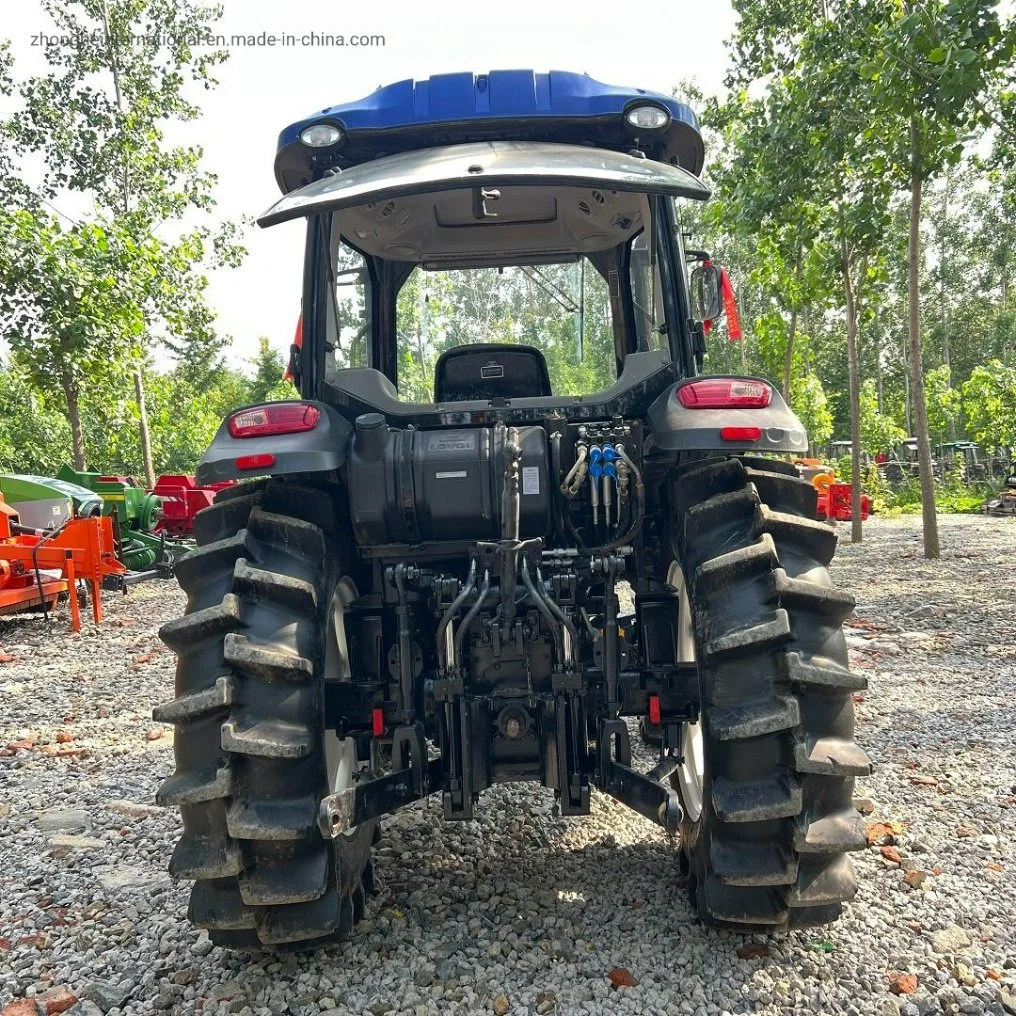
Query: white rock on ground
[518,908]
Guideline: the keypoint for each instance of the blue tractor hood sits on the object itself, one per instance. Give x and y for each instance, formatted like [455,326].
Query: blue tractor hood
[509,105]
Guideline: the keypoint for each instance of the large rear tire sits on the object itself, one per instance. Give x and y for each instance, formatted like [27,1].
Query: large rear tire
[768,780]
[253,759]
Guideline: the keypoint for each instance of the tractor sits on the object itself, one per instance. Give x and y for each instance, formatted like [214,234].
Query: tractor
[503,431]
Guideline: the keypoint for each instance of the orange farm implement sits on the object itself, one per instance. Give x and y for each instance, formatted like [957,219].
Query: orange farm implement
[834,499]
[38,566]
[834,503]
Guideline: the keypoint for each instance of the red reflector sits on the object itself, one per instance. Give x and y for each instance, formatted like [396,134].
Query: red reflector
[265,461]
[274,418]
[378,721]
[725,393]
[741,433]
[654,708]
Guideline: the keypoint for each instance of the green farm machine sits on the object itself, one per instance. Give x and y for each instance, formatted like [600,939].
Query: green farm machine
[44,503]
[137,513]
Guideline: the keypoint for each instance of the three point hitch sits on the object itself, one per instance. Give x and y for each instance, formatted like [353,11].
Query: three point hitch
[417,777]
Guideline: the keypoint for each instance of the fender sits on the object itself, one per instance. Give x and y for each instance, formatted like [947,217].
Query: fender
[313,451]
[680,429]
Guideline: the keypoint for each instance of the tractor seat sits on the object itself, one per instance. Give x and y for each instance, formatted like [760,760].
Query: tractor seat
[492,370]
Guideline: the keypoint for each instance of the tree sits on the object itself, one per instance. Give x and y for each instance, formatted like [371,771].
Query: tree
[930,65]
[943,404]
[66,300]
[269,382]
[879,432]
[800,145]
[33,435]
[808,400]
[989,404]
[185,415]
[994,242]
[119,72]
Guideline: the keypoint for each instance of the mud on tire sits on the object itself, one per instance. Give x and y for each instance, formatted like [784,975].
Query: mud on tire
[769,850]
[250,758]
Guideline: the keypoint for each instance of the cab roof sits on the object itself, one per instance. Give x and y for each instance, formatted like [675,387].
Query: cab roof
[508,105]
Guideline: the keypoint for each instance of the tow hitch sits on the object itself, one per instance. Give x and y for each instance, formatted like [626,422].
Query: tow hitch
[371,798]
[642,792]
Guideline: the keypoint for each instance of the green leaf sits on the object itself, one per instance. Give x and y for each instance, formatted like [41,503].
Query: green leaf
[938,55]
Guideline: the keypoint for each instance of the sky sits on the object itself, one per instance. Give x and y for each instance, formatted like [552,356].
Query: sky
[652,44]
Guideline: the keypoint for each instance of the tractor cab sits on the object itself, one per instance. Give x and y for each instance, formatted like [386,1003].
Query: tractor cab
[968,456]
[505,208]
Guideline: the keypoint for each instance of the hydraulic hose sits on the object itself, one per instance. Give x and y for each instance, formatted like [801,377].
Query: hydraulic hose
[556,507]
[543,607]
[557,611]
[452,611]
[638,499]
[45,534]
[581,451]
[460,632]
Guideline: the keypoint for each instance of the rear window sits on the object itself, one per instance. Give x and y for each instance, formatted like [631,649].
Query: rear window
[561,309]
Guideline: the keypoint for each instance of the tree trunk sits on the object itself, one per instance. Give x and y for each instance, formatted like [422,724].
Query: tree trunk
[125,184]
[943,305]
[788,359]
[856,526]
[70,388]
[943,309]
[931,545]
[1005,307]
[143,431]
[878,379]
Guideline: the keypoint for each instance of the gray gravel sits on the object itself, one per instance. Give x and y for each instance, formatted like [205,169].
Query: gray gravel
[519,911]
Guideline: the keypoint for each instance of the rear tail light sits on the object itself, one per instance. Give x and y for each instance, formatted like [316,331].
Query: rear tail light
[274,418]
[655,714]
[264,461]
[740,433]
[725,393]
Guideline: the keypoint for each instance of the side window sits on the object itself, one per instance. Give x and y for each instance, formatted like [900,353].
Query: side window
[646,295]
[349,316]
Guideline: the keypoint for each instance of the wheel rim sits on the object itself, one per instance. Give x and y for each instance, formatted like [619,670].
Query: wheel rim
[690,773]
[341,756]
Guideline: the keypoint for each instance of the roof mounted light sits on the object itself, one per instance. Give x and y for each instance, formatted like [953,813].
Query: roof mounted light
[647,118]
[321,135]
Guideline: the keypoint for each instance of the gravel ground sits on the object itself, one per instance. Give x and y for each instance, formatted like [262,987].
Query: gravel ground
[519,911]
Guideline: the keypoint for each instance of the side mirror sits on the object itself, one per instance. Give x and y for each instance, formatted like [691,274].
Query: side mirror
[706,293]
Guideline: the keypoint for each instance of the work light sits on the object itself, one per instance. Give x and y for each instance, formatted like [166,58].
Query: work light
[647,118]
[321,135]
